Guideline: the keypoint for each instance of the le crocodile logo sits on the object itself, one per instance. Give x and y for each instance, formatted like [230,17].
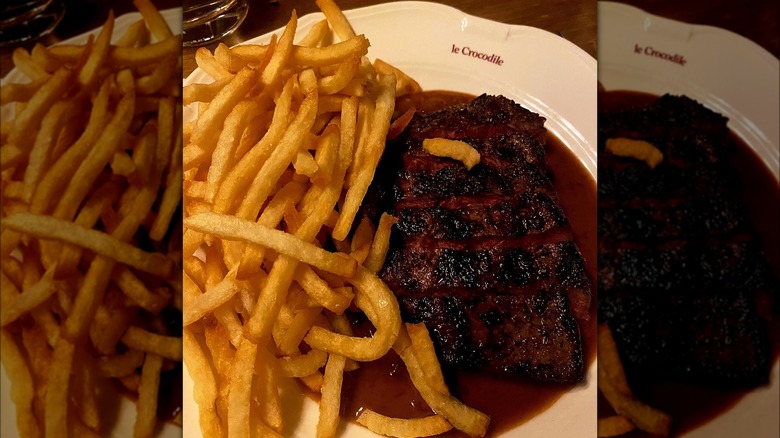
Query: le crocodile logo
[468,51]
[650,51]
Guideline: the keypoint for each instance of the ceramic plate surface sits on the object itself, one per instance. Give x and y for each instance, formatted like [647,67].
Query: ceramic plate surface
[446,49]
[120,409]
[730,75]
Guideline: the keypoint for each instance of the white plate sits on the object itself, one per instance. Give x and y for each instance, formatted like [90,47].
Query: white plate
[123,409]
[540,70]
[730,75]
[724,71]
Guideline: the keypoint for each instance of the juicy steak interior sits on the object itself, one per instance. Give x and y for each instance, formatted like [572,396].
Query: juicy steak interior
[681,270]
[484,257]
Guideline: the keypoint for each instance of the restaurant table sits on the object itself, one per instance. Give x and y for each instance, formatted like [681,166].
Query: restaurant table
[80,16]
[574,20]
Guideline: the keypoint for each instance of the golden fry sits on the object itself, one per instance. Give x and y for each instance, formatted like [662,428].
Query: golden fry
[152,17]
[615,425]
[209,64]
[404,84]
[40,103]
[122,364]
[330,403]
[641,150]
[426,356]
[241,375]
[403,428]
[101,243]
[31,298]
[459,415]
[232,228]
[168,347]
[376,141]
[22,387]
[455,149]
[147,396]
[336,19]
[380,244]
[316,34]
[609,359]
[205,388]
[278,59]
[24,62]
[98,54]
[377,301]
[303,365]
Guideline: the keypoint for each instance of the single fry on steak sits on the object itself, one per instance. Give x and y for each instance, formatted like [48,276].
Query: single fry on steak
[455,149]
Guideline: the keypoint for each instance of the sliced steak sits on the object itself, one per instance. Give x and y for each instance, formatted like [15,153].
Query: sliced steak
[461,218]
[681,269]
[529,334]
[485,257]
[705,336]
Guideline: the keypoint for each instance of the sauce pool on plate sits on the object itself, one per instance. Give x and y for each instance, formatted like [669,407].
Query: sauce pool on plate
[691,406]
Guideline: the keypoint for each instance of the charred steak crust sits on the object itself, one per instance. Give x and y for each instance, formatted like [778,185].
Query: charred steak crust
[681,269]
[484,257]
[533,335]
[704,336]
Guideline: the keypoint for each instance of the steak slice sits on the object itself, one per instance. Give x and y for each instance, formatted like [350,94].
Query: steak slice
[529,334]
[704,336]
[681,269]
[462,218]
[485,257]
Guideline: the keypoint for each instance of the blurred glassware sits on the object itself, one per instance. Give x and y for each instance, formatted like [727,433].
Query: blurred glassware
[28,20]
[205,21]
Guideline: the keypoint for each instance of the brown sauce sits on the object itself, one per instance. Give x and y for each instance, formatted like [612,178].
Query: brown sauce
[169,394]
[169,398]
[384,385]
[692,406]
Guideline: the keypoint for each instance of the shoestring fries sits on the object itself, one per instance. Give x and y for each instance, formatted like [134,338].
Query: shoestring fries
[282,151]
[91,180]
[631,412]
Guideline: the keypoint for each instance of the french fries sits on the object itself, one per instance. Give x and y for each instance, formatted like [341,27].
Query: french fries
[90,183]
[612,383]
[640,150]
[403,428]
[455,149]
[614,426]
[278,160]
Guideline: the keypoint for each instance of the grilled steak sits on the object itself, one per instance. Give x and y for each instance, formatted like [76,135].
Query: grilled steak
[484,257]
[681,269]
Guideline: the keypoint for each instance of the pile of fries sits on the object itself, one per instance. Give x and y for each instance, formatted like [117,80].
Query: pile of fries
[91,182]
[631,412]
[276,164]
